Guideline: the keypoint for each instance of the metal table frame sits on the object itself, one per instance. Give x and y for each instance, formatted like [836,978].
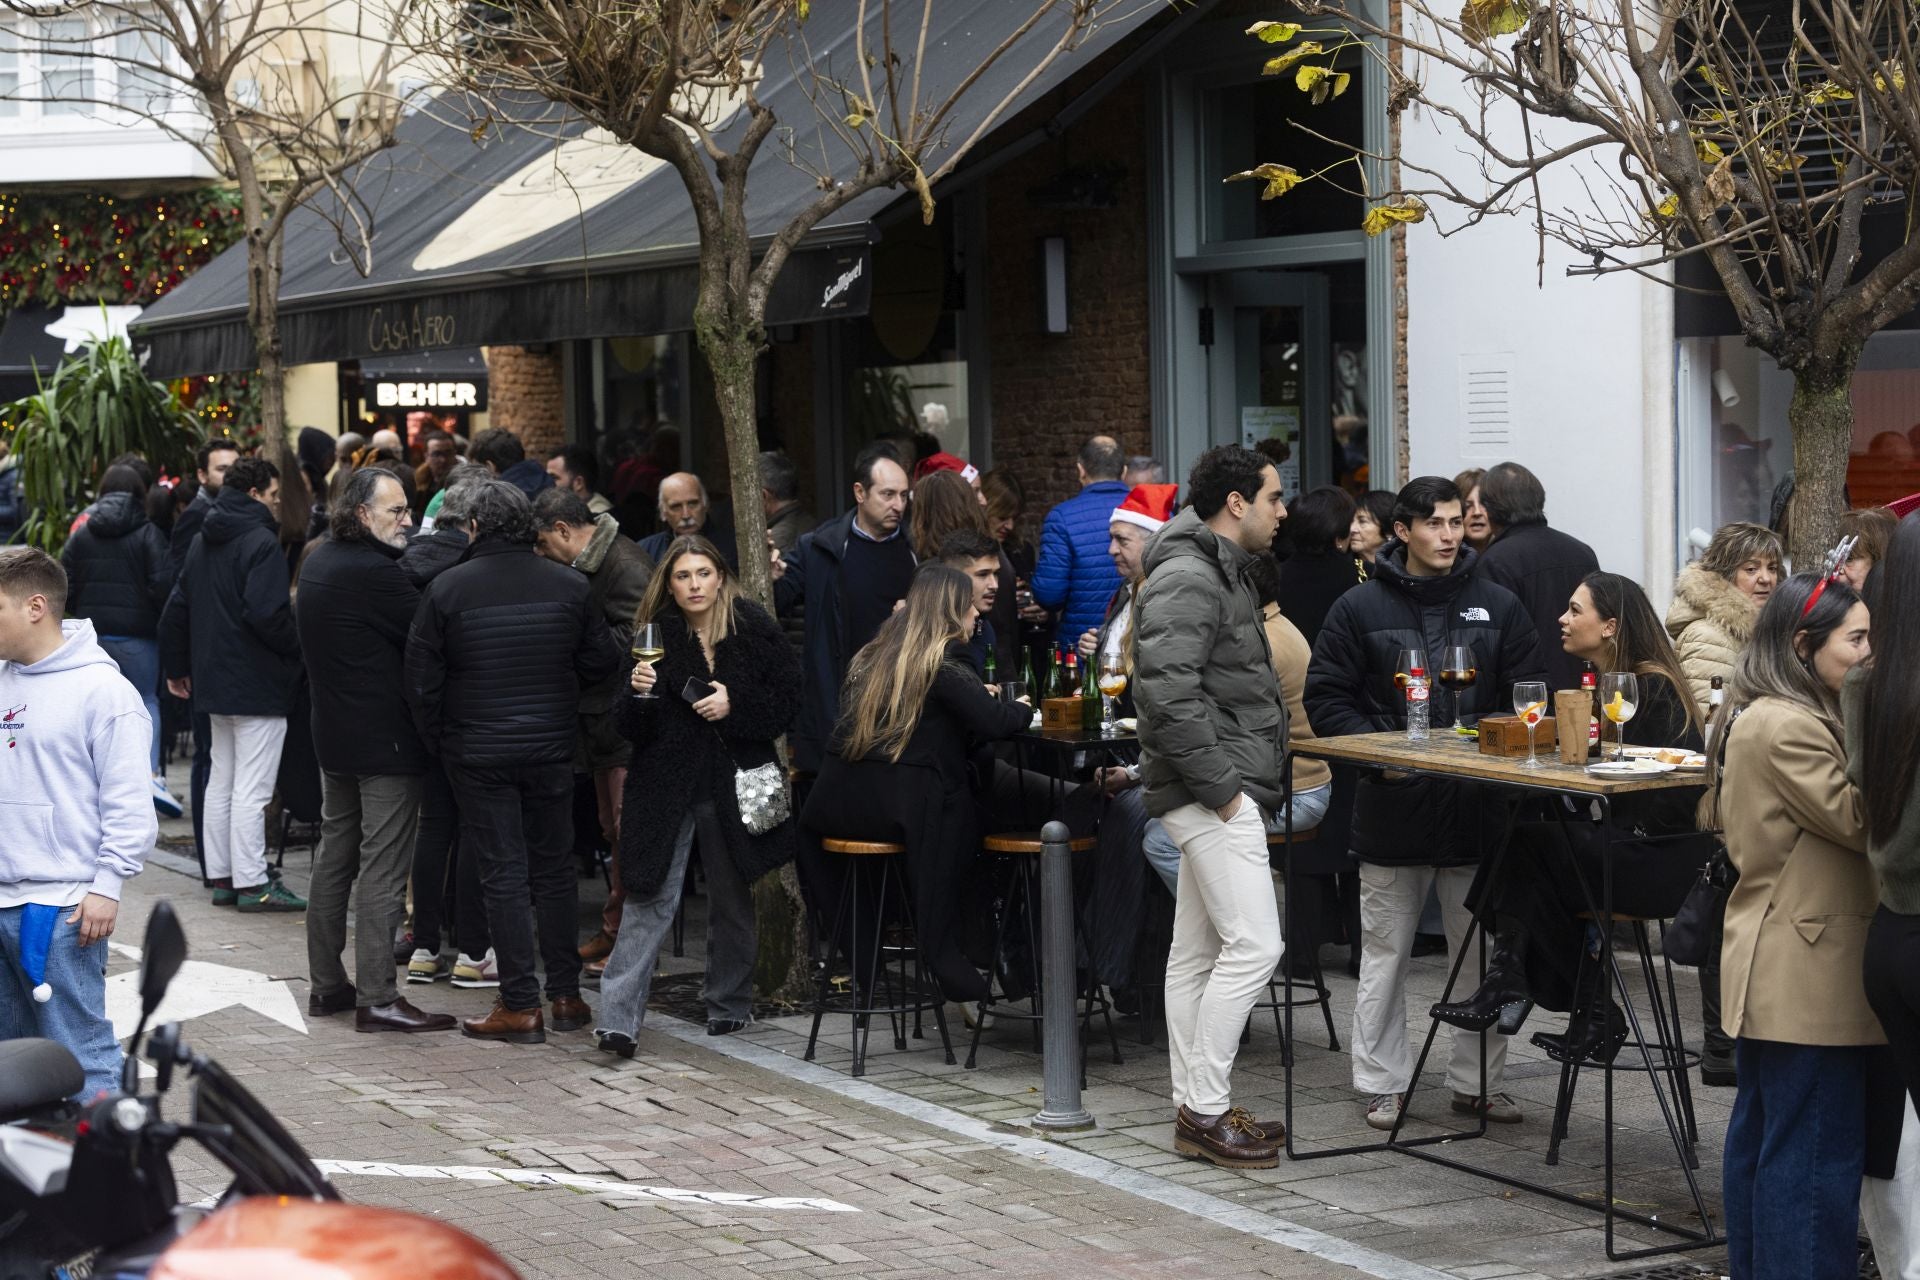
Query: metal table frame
[1602,912]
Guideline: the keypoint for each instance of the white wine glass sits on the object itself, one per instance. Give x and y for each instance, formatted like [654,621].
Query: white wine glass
[1530,704]
[648,648]
[1619,699]
[1113,683]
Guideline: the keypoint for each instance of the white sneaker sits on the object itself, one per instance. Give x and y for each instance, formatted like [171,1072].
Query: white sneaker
[1383,1111]
[428,966]
[164,800]
[469,972]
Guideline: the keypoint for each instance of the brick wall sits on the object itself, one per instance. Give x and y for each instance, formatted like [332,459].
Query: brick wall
[527,396]
[1051,392]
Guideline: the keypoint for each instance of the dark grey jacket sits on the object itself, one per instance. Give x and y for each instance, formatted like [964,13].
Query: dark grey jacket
[1212,721]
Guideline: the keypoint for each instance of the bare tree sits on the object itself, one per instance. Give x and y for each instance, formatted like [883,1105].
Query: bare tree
[254,86]
[679,80]
[1764,138]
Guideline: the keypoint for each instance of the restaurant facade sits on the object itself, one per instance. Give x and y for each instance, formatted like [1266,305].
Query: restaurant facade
[1087,271]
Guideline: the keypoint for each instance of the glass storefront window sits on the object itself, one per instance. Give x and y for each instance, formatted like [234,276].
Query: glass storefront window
[1249,124]
[909,372]
[1734,416]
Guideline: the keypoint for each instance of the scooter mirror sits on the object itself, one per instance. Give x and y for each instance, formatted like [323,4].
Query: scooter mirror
[165,951]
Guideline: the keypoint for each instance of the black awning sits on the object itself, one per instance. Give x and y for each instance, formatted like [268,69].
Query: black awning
[517,233]
[454,362]
[26,348]
[445,379]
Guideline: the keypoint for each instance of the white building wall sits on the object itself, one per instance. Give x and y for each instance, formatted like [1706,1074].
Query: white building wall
[1585,367]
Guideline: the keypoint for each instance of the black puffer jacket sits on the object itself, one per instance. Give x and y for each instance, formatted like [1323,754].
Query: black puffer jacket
[496,658]
[354,612]
[679,758]
[117,570]
[1542,566]
[428,555]
[1351,689]
[229,622]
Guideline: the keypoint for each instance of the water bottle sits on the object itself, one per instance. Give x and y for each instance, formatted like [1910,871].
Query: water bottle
[1419,702]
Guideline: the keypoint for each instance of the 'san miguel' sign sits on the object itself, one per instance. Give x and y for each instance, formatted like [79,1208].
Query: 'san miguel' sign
[408,329]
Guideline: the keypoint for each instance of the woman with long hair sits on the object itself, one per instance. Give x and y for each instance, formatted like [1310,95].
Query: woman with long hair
[726,687]
[1880,706]
[1795,938]
[1553,870]
[945,504]
[897,766]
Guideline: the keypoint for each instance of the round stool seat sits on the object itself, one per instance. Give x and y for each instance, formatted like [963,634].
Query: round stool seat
[1278,838]
[1029,842]
[861,848]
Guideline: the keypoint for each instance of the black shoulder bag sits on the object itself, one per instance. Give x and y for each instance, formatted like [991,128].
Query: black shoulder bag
[1685,939]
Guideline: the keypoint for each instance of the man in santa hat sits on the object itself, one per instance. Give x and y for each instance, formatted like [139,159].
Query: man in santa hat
[1147,508]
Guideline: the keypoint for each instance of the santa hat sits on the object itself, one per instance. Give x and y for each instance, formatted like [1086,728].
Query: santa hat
[946,462]
[1149,506]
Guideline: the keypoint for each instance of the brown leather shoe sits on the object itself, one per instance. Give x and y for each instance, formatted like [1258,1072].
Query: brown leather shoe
[400,1015]
[1231,1140]
[598,947]
[570,1013]
[517,1026]
[1275,1129]
[325,1004]
[592,972]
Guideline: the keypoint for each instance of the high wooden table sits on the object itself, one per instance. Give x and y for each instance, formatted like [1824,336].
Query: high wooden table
[1451,756]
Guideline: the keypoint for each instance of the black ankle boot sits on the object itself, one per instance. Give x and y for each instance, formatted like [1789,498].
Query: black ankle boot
[1590,1037]
[1503,998]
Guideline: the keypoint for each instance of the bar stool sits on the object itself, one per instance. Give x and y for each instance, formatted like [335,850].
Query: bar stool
[1668,1049]
[909,996]
[1020,898]
[1283,976]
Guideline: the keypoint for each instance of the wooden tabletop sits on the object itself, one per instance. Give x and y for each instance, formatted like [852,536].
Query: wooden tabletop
[1453,756]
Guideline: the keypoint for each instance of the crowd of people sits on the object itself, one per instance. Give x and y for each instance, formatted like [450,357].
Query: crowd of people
[489,674]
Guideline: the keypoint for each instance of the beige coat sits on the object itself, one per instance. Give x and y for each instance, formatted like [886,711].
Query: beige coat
[1710,622]
[1796,929]
[1290,655]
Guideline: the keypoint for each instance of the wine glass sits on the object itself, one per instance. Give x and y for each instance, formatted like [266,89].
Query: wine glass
[1458,671]
[648,648]
[1530,704]
[1619,699]
[1113,683]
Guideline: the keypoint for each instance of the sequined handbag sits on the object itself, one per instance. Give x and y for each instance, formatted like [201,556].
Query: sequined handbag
[764,800]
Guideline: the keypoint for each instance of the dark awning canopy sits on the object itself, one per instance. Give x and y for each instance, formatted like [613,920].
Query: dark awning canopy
[537,232]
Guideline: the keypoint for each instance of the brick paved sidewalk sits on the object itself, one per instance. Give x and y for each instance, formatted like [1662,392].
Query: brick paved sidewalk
[677,1116]
[705,1108]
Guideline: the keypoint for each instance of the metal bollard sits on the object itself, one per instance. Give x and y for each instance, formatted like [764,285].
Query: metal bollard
[1060,1059]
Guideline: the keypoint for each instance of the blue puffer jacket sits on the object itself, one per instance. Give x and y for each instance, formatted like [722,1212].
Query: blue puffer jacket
[1073,568]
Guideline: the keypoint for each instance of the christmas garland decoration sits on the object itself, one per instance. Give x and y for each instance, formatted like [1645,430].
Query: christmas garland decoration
[60,250]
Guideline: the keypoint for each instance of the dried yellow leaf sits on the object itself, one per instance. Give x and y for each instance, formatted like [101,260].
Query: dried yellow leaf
[1279,178]
[1712,77]
[1484,19]
[1274,32]
[1709,152]
[1781,162]
[1899,78]
[1667,208]
[1383,216]
[1720,182]
[1827,91]
[1304,50]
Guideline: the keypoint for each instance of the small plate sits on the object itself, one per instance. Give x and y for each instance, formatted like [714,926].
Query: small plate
[1629,769]
[1127,724]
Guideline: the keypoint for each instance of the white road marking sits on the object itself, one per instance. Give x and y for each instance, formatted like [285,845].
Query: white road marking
[579,1182]
[199,988]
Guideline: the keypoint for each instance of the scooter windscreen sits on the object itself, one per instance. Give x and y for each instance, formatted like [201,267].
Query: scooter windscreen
[264,1157]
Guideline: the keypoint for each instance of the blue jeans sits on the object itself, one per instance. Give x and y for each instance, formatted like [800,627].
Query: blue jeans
[76,1016]
[1163,855]
[1796,1149]
[139,661]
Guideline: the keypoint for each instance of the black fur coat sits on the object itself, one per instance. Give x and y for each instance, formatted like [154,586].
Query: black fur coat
[678,757]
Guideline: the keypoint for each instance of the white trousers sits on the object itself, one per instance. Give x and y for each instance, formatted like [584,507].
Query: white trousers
[1891,1207]
[1226,945]
[246,761]
[1390,903]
